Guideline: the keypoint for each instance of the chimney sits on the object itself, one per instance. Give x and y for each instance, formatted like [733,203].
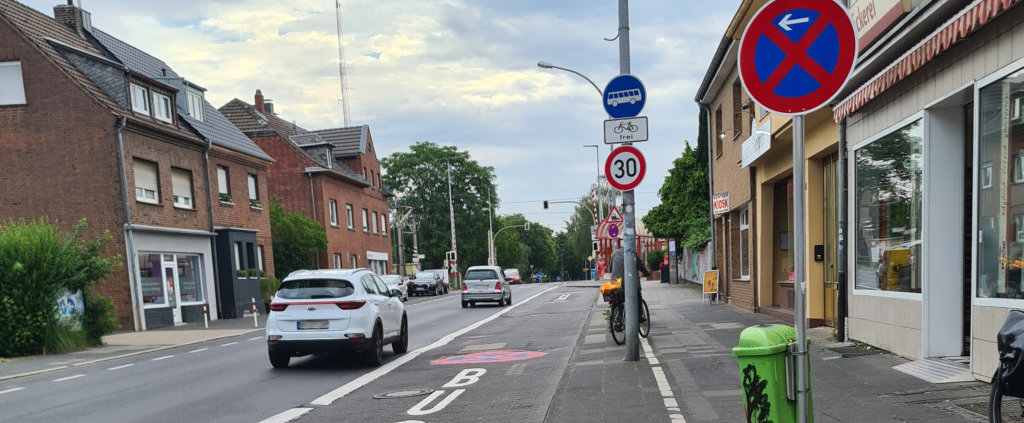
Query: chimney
[259,101]
[68,15]
[268,106]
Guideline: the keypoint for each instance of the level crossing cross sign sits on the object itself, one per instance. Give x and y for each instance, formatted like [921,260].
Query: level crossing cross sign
[796,55]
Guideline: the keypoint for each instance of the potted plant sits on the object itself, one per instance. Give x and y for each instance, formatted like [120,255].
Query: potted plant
[255,203]
[268,287]
[225,198]
[241,273]
[254,273]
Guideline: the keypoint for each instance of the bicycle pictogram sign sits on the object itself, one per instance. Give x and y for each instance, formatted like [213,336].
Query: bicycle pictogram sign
[796,55]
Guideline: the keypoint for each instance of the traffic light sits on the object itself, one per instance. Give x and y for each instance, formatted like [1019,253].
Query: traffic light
[545,204]
[596,246]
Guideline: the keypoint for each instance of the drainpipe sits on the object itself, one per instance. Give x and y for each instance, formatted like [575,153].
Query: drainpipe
[137,310]
[312,208]
[711,189]
[213,238]
[842,305]
[752,239]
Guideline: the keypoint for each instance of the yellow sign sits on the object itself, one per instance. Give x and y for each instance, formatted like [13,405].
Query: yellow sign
[711,282]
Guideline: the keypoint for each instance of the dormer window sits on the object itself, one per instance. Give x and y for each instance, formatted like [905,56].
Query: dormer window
[140,99]
[195,104]
[162,107]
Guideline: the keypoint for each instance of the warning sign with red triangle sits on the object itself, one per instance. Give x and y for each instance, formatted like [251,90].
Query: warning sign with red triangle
[613,216]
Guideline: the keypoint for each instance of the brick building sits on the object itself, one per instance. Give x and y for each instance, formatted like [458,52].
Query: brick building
[332,176]
[88,134]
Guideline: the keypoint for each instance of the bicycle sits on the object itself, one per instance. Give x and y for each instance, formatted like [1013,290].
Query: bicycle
[1008,380]
[628,126]
[617,317]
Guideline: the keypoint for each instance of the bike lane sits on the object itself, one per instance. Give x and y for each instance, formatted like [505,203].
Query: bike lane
[505,369]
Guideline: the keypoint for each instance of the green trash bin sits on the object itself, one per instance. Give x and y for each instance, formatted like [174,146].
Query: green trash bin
[767,373]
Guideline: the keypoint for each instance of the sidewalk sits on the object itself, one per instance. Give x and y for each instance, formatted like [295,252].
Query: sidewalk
[692,345]
[124,344]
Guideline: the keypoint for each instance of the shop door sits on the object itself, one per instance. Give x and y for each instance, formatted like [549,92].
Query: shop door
[171,282]
[830,231]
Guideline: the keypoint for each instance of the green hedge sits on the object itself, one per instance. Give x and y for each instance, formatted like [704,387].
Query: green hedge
[37,265]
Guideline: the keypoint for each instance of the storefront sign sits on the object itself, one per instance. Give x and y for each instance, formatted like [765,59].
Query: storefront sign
[873,17]
[720,203]
[70,305]
[758,143]
[711,282]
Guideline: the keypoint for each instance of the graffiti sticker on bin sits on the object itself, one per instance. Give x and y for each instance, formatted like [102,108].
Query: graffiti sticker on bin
[489,357]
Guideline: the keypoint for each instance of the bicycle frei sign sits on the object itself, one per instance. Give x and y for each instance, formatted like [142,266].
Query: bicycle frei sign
[624,97]
[618,131]
[625,168]
[796,55]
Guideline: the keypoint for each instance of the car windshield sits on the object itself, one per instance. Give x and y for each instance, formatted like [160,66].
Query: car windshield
[481,274]
[511,272]
[424,275]
[392,280]
[307,289]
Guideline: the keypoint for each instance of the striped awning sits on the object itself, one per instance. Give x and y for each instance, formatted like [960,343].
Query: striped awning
[968,20]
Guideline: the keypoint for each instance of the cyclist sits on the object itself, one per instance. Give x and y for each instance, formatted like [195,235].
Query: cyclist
[618,270]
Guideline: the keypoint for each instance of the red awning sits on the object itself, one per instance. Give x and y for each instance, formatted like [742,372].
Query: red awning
[968,20]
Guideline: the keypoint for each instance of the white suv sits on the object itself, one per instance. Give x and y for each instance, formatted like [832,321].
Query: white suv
[319,311]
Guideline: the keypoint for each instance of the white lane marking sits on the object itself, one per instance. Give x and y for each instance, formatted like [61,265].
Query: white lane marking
[163,358]
[255,338]
[199,350]
[6,391]
[663,385]
[229,343]
[68,378]
[347,388]
[120,367]
[287,415]
[562,298]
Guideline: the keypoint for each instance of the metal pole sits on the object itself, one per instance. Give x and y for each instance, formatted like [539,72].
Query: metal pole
[400,233]
[841,235]
[631,282]
[491,259]
[799,315]
[415,246]
[451,215]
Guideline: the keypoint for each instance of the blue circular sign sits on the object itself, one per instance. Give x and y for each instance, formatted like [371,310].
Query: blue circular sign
[613,230]
[624,97]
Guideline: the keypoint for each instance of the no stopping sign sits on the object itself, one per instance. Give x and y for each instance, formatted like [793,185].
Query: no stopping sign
[625,168]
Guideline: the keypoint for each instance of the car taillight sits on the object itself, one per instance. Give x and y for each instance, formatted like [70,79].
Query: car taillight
[497,286]
[464,288]
[278,306]
[350,305]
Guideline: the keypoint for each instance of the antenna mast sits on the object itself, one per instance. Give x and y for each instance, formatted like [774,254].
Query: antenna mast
[341,67]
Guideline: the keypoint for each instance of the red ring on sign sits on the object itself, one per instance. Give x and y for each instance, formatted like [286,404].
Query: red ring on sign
[641,167]
[489,357]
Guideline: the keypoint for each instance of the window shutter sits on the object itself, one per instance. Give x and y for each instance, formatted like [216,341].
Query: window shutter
[181,183]
[145,175]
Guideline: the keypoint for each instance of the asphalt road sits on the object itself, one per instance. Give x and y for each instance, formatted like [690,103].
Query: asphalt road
[231,380]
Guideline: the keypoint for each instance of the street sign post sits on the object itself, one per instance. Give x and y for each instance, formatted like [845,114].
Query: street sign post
[618,131]
[625,168]
[624,96]
[794,57]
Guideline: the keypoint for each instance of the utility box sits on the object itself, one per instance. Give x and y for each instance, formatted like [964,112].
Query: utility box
[768,374]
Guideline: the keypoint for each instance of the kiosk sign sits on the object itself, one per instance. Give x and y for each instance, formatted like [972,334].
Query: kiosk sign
[796,55]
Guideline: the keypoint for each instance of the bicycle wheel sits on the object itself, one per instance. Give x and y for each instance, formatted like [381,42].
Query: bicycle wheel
[645,319]
[617,324]
[1003,409]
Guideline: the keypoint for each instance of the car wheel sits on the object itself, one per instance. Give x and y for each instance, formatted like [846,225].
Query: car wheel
[509,301]
[402,344]
[279,359]
[501,302]
[465,304]
[375,354]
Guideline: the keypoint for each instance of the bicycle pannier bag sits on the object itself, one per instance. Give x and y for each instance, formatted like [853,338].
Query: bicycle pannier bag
[1011,350]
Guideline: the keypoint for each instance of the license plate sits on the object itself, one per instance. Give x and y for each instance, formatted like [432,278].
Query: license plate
[311,324]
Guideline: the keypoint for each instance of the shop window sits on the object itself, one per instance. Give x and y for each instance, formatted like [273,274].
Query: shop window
[151,278]
[189,279]
[887,211]
[1001,239]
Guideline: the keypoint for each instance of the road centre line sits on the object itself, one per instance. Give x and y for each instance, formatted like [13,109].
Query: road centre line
[121,366]
[288,415]
[229,343]
[163,358]
[7,391]
[69,378]
[255,338]
[199,350]
[330,397]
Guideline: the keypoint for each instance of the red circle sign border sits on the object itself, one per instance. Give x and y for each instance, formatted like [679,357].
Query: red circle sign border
[640,174]
[830,10]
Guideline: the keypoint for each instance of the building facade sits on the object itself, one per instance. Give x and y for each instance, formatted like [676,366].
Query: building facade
[315,174]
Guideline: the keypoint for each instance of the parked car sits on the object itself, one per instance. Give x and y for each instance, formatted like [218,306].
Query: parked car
[321,311]
[485,284]
[443,274]
[513,276]
[397,283]
[424,283]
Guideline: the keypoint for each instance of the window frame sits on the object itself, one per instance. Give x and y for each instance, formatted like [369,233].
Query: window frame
[163,107]
[744,234]
[139,92]
[195,104]
[337,260]
[156,181]
[189,202]
[366,226]
[332,206]
[254,188]
[383,224]
[985,177]
[14,95]
[375,228]
[223,180]
[349,213]
[353,260]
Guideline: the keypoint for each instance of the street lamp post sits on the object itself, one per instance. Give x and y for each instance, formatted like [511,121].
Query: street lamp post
[597,186]
[546,65]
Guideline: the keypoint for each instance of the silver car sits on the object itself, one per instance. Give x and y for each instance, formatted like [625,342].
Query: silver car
[485,284]
[397,282]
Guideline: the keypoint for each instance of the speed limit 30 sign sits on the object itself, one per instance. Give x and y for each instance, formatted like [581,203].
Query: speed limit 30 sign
[625,168]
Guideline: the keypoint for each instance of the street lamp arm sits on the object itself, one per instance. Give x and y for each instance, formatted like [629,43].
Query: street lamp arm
[576,203]
[510,226]
[547,65]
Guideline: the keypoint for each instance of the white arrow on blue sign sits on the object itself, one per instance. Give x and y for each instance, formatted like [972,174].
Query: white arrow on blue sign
[624,96]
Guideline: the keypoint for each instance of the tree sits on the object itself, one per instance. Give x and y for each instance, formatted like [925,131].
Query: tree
[537,245]
[684,212]
[297,239]
[419,179]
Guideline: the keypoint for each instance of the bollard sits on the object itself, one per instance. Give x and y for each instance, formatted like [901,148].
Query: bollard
[255,320]
[768,374]
[206,317]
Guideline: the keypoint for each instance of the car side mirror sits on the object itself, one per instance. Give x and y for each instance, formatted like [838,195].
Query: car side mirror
[395,292]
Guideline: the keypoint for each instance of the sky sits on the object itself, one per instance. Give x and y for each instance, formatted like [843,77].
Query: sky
[452,72]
